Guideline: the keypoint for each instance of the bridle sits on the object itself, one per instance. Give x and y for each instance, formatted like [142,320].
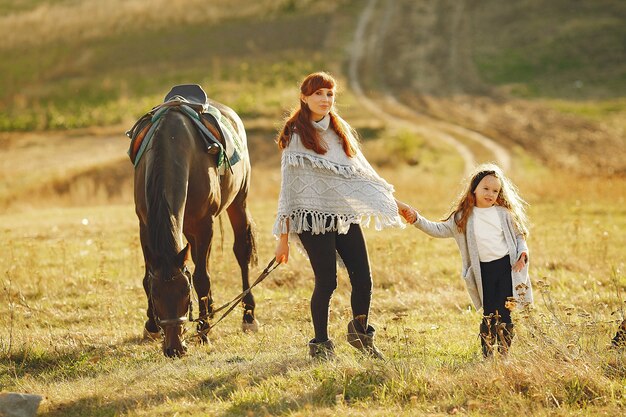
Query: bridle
[178,321]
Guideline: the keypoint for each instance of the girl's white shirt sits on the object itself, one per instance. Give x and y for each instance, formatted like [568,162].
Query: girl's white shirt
[489,234]
[468,246]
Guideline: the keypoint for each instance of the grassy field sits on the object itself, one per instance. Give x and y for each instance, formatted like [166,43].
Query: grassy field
[73,308]
[72,304]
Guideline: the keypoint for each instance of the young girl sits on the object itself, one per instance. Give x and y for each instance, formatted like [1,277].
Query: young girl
[328,191]
[490,226]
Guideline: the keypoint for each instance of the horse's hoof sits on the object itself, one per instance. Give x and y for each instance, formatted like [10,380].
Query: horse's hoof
[148,335]
[204,339]
[203,334]
[250,327]
[175,353]
[202,330]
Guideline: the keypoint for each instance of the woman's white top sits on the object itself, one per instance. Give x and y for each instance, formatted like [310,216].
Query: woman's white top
[329,192]
[489,234]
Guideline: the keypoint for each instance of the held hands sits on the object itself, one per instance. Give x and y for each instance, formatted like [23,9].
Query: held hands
[407,212]
[521,263]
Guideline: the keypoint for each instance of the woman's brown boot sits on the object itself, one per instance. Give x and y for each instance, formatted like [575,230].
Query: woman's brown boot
[322,350]
[363,340]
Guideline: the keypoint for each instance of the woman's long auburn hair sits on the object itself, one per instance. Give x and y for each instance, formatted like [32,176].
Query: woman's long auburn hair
[508,197]
[299,121]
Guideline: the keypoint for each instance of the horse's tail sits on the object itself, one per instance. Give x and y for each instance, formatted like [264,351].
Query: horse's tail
[253,259]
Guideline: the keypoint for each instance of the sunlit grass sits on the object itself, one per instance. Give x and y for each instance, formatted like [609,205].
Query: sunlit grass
[611,113]
[73,308]
[72,305]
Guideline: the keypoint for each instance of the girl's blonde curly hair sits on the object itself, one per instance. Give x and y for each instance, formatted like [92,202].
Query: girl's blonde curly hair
[508,197]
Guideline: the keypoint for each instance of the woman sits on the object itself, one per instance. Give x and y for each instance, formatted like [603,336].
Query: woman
[328,191]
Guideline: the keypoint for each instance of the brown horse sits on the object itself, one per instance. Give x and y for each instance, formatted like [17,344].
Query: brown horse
[179,192]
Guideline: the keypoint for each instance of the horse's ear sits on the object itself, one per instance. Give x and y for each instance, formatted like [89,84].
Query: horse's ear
[184,256]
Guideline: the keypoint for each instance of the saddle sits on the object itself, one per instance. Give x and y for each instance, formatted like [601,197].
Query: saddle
[218,133]
[192,94]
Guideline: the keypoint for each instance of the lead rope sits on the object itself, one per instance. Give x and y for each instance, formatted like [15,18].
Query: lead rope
[233,303]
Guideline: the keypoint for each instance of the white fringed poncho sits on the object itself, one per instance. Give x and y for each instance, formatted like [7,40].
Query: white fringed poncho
[323,193]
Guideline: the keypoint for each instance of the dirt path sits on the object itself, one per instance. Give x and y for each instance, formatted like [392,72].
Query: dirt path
[392,111]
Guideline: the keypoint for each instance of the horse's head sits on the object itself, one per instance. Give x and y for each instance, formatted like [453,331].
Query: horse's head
[170,289]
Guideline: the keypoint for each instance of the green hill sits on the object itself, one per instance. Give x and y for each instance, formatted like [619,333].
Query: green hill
[571,49]
[544,77]
[558,49]
[60,70]
[71,76]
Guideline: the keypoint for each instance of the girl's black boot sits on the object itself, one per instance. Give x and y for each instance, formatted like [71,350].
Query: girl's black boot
[506,333]
[487,338]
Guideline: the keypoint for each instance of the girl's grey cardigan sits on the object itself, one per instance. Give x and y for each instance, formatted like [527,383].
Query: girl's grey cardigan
[522,290]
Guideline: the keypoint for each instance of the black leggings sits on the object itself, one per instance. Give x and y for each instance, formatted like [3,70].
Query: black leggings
[322,250]
[497,287]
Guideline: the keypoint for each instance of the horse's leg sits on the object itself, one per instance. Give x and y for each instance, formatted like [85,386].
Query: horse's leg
[245,252]
[150,329]
[200,251]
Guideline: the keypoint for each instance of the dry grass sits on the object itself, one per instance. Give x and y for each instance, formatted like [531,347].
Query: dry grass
[571,135]
[73,307]
[72,304]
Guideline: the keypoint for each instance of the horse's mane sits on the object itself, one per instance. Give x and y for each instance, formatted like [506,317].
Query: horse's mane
[162,228]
